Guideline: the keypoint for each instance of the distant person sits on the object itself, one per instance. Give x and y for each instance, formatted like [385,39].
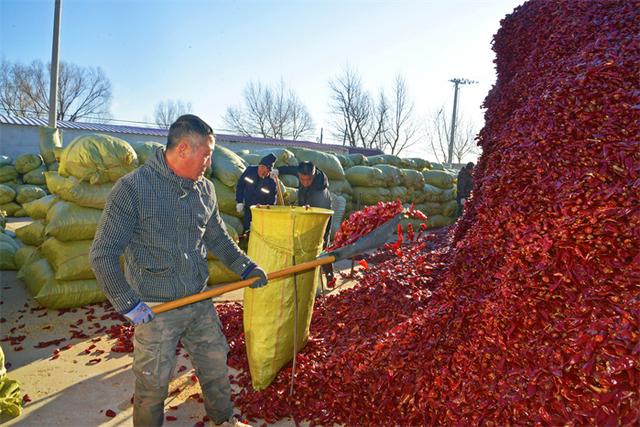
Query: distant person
[164,218]
[313,191]
[256,186]
[465,185]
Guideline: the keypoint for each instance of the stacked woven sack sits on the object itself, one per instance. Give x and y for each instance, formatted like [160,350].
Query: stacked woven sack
[21,182]
[55,263]
[8,245]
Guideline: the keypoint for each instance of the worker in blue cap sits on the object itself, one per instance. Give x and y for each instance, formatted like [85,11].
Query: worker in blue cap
[256,186]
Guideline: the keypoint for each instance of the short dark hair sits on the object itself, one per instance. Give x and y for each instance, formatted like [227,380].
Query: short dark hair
[187,125]
[470,165]
[306,168]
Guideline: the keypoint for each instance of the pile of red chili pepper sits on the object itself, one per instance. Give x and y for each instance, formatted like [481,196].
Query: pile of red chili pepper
[362,222]
[531,314]
[528,311]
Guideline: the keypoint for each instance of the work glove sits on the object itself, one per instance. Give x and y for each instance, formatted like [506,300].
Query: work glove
[141,313]
[274,173]
[240,208]
[261,275]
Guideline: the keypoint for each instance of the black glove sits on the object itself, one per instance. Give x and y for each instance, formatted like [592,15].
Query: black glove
[261,275]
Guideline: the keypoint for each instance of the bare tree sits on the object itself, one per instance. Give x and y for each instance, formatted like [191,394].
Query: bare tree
[401,131]
[438,135]
[386,124]
[168,111]
[270,112]
[83,92]
[354,110]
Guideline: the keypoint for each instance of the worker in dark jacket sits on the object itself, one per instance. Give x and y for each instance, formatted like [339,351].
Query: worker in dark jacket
[465,185]
[313,191]
[256,186]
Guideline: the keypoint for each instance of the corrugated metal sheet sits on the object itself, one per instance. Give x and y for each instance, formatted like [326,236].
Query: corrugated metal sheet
[137,130]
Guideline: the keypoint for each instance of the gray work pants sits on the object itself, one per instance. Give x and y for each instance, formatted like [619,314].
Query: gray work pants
[154,359]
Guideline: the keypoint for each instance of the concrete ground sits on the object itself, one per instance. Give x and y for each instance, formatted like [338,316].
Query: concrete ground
[78,387]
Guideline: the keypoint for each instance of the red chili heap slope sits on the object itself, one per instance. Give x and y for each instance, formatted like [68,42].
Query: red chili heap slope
[537,317]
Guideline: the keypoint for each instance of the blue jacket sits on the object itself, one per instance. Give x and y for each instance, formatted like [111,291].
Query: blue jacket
[253,190]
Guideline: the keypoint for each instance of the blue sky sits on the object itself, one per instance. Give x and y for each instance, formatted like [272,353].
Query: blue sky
[205,52]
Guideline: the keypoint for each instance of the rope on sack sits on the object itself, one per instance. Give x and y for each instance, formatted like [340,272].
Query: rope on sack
[295,321]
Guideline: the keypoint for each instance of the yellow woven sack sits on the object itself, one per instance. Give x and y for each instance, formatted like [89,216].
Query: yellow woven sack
[70,260]
[67,221]
[98,158]
[281,237]
[60,294]
[39,207]
[80,193]
[31,234]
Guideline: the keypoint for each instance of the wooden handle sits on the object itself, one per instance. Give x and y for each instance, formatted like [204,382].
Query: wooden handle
[280,200]
[212,293]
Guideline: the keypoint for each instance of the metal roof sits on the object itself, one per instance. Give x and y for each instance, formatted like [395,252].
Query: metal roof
[161,132]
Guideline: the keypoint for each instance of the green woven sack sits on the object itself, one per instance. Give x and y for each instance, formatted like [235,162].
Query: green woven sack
[8,173]
[36,176]
[365,176]
[251,159]
[7,194]
[144,150]
[370,195]
[412,178]
[25,163]
[392,175]
[327,163]
[226,197]
[340,186]
[440,179]
[233,222]
[290,180]
[227,166]
[10,208]
[29,193]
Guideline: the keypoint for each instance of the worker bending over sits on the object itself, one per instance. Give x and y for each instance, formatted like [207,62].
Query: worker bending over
[164,217]
[313,190]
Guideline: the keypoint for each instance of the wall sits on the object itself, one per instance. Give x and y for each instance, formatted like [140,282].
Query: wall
[20,139]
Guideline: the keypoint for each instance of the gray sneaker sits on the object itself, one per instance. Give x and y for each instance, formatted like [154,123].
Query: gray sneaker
[231,422]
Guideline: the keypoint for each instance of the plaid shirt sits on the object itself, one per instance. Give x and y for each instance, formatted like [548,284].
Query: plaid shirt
[164,225]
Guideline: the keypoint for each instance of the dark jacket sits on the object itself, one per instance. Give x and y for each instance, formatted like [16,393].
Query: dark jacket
[253,190]
[465,184]
[317,194]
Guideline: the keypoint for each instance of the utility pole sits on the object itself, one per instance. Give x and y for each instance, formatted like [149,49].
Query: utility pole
[456,82]
[53,89]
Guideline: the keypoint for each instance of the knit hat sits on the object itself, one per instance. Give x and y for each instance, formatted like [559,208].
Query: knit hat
[268,160]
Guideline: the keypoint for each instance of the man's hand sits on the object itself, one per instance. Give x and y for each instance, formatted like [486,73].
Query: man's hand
[141,313]
[261,275]
[274,173]
[240,208]
[463,201]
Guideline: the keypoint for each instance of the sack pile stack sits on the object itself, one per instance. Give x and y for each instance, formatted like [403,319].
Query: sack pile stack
[55,264]
[21,182]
